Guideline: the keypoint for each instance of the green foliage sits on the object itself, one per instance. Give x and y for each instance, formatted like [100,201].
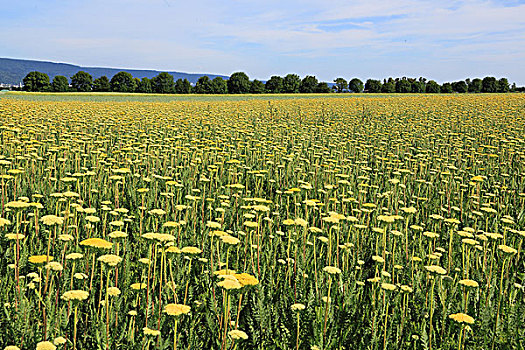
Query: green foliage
[489,84]
[183,86]
[163,83]
[122,82]
[403,86]
[432,87]
[373,86]
[446,88]
[356,85]
[101,84]
[36,81]
[475,85]
[257,87]
[291,83]
[82,81]
[219,86]
[322,88]
[388,87]
[340,84]
[239,83]
[503,85]
[460,86]
[308,84]
[60,84]
[274,85]
[144,86]
[203,85]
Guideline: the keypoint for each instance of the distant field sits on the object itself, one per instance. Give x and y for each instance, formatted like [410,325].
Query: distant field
[124,97]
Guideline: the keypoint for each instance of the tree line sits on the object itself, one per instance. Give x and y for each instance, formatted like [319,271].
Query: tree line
[239,83]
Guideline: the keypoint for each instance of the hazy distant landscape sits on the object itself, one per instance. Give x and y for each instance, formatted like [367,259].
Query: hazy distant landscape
[12,71]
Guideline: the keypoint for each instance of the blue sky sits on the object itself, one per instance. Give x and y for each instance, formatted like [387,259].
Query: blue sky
[441,40]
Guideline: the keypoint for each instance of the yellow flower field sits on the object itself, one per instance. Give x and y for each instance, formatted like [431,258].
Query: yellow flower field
[365,222]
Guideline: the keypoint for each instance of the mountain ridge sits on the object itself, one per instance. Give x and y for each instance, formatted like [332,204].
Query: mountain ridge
[13,70]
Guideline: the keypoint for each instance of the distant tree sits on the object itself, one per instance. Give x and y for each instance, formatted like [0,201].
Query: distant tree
[322,88]
[373,86]
[340,84]
[136,82]
[388,87]
[219,86]
[432,87]
[144,86]
[513,87]
[274,85]
[82,81]
[36,81]
[446,88]
[122,82]
[60,84]
[356,85]
[403,86]
[203,85]
[257,87]
[101,84]
[308,84]
[417,87]
[460,86]
[503,85]
[475,85]
[163,83]
[239,83]
[489,84]
[183,86]
[291,83]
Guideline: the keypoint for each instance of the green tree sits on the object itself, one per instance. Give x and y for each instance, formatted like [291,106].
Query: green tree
[388,87]
[356,85]
[183,86]
[144,86]
[163,83]
[101,84]
[446,88]
[340,84]
[460,86]
[475,85]
[82,81]
[432,87]
[291,83]
[503,85]
[257,87]
[403,86]
[122,82]
[373,86]
[417,87]
[60,84]
[308,84]
[322,88]
[274,85]
[203,85]
[239,83]
[219,86]
[489,84]
[36,81]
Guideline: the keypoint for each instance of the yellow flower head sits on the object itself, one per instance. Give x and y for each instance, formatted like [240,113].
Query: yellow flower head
[176,309]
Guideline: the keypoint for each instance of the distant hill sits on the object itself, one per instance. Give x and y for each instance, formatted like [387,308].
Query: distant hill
[12,71]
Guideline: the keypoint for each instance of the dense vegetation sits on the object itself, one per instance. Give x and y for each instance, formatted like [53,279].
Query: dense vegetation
[385,222]
[239,83]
